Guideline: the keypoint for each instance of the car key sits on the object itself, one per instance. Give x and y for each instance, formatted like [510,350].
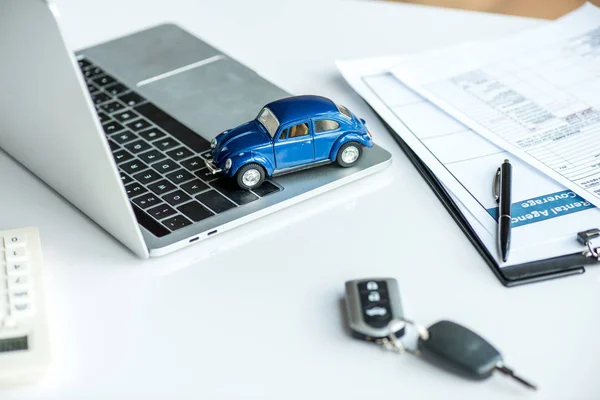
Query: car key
[371,304]
[458,349]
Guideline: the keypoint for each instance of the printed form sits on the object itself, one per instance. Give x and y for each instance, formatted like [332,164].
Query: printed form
[546,215]
[535,94]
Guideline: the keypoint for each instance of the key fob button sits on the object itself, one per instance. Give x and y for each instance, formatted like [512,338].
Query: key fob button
[378,315]
[374,297]
[372,286]
[369,299]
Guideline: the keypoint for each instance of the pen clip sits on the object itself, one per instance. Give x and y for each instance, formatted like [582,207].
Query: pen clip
[496,186]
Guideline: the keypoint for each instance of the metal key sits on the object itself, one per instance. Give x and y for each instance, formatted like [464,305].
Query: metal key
[371,304]
[460,350]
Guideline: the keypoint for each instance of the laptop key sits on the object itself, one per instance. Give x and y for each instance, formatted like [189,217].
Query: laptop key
[180,176]
[229,189]
[215,201]
[195,186]
[165,166]
[121,156]
[83,63]
[113,146]
[169,124]
[125,116]
[193,164]
[99,98]
[162,187]
[92,88]
[112,127]
[266,188]
[132,99]
[103,117]
[176,197]
[152,134]
[112,107]
[138,146]
[165,144]
[147,176]
[176,222]
[146,200]
[91,72]
[205,175]
[138,125]
[133,167]
[116,89]
[124,137]
[104,80]
[195,211]
[161,211]
[180,153]
[125,178]
[134,189]
[151,156]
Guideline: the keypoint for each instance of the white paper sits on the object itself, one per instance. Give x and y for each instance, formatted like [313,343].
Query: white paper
[535,94]
[465,164]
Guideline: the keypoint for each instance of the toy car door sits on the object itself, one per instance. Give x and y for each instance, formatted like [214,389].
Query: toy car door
[294,146]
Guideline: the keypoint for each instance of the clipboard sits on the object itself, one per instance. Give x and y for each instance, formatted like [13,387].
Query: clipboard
[514,275]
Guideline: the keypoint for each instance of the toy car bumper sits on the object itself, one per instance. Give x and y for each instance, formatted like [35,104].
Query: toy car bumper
[212,167]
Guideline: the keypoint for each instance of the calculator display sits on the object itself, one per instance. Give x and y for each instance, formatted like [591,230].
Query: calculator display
[13,344]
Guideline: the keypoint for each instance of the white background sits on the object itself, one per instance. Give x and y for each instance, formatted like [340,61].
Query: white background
[256,312]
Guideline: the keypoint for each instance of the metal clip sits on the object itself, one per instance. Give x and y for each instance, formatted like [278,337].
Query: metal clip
[585,238]
[392,343]
[496,186]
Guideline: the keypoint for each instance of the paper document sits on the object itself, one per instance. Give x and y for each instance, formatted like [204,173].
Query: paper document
[546,215]
[535,94]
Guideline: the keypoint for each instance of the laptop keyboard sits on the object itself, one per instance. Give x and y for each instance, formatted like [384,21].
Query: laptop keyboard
[160,160]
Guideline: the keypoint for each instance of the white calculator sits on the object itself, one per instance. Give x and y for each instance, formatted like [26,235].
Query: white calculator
[24,347]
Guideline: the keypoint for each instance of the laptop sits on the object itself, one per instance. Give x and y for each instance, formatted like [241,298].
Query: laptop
[128,122]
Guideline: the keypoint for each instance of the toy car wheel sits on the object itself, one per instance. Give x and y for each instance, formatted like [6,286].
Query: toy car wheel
[250,176]
[349,154]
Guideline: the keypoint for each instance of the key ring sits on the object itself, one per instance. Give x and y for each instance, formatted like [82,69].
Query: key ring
[394,344]
[593,250]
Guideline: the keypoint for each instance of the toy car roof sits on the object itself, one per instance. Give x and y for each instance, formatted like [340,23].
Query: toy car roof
[298,107]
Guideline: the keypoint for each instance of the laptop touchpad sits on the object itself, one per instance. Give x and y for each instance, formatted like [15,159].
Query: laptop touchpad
[212,96]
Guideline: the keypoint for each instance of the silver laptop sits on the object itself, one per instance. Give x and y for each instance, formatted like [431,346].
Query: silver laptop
[122,129]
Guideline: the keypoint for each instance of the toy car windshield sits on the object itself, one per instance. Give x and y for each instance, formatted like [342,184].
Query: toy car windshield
[269,121]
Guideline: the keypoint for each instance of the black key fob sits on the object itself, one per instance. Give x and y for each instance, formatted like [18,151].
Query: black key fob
[371,304]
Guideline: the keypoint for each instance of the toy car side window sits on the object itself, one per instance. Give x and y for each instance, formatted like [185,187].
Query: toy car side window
[298,131]
[325,125]
[283,135]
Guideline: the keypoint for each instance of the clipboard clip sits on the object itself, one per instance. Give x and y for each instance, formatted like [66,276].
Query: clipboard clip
[585,238]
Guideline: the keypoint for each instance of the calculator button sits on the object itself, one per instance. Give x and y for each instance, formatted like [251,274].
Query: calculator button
[19,296]
[17,281]
[14,240]
[16,253]
[20,310]
[9,322]
[17,268]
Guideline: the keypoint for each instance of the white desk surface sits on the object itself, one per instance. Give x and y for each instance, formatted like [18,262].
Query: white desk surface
[255,313]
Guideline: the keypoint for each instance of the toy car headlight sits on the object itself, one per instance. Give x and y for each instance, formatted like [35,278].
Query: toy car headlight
[228,163]
[213,143]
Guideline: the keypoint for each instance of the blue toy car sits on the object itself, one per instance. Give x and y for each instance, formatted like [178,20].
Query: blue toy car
[288,135]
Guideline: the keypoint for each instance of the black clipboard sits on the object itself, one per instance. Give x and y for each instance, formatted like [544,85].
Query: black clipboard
[536,271]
